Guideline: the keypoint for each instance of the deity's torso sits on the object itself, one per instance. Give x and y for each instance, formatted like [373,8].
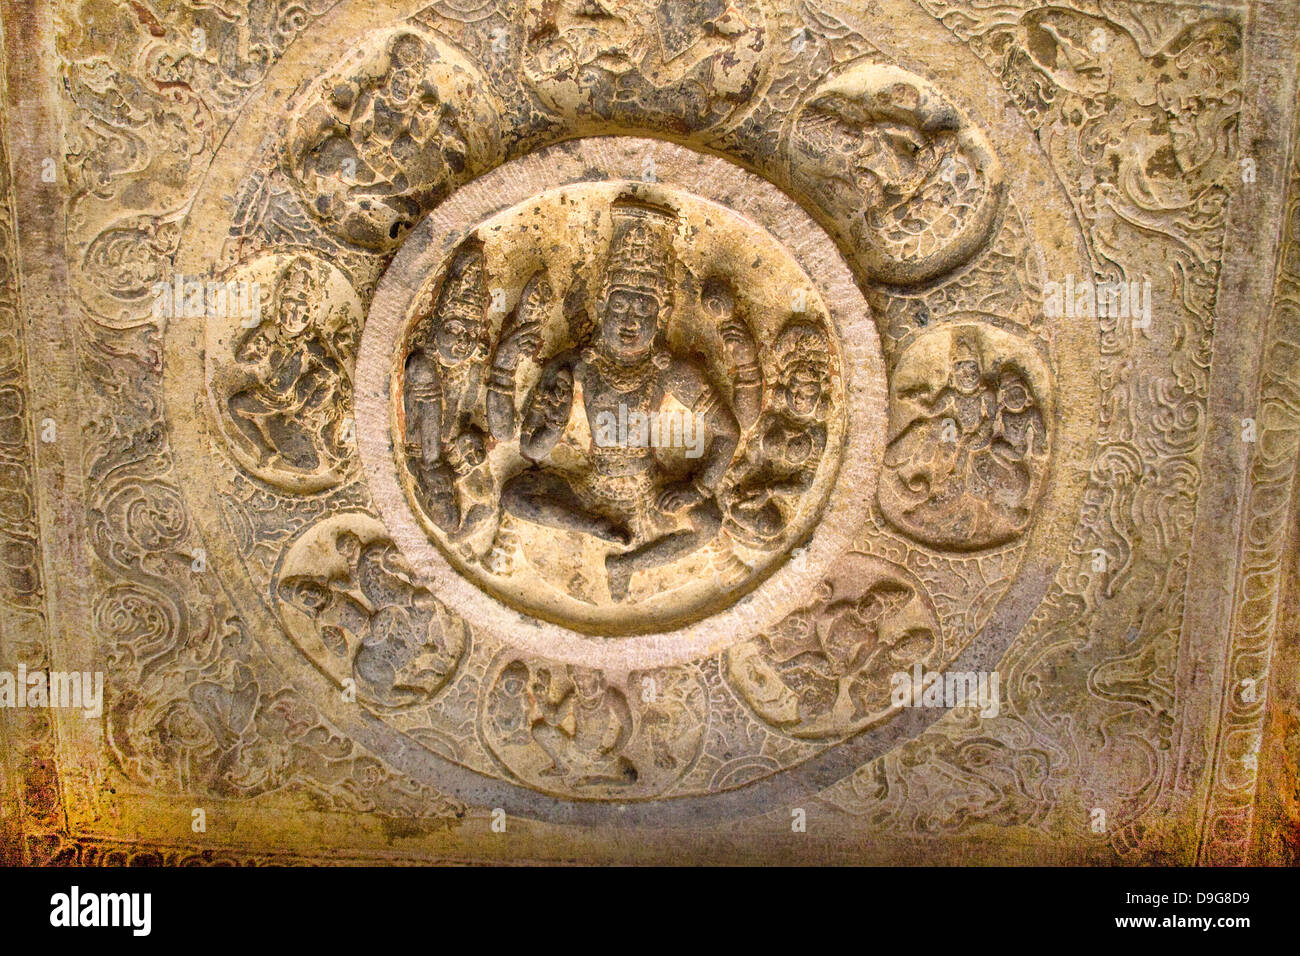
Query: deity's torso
[460,384]
[615,393]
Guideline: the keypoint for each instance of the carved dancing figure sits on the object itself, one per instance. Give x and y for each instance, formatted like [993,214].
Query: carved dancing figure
[974,455]
[293,413]
[403,651]
[375,613]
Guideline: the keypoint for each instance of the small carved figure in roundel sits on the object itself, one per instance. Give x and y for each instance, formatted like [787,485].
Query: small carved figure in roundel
[969,437]
[280,355]
[349,601]
[914,183]
[633,458]
[388,132]
[826,670]
[691,66]
[578,732]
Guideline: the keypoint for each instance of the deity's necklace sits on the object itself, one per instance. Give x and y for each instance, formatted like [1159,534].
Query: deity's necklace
[623,378]
[455,376]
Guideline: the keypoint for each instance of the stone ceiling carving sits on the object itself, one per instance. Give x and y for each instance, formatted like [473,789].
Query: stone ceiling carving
[607,415]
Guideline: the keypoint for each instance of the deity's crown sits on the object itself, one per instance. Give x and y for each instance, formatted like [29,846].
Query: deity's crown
[463,289]
[296,277]
[641,251]
[803,341]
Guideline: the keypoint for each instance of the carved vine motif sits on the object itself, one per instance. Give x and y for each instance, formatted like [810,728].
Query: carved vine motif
[1137,109]
[969,437]
[826,670]
[649,410]
[993,772]
[575,731]
[349,599]
[143,110]
[279,366]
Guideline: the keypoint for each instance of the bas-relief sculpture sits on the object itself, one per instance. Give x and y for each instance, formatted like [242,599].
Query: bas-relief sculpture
[626,443]
[629,393]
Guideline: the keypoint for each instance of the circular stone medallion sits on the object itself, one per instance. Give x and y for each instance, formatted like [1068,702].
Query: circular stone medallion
[639,413]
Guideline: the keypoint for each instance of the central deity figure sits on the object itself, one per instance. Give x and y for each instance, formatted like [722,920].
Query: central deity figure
[652,511]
